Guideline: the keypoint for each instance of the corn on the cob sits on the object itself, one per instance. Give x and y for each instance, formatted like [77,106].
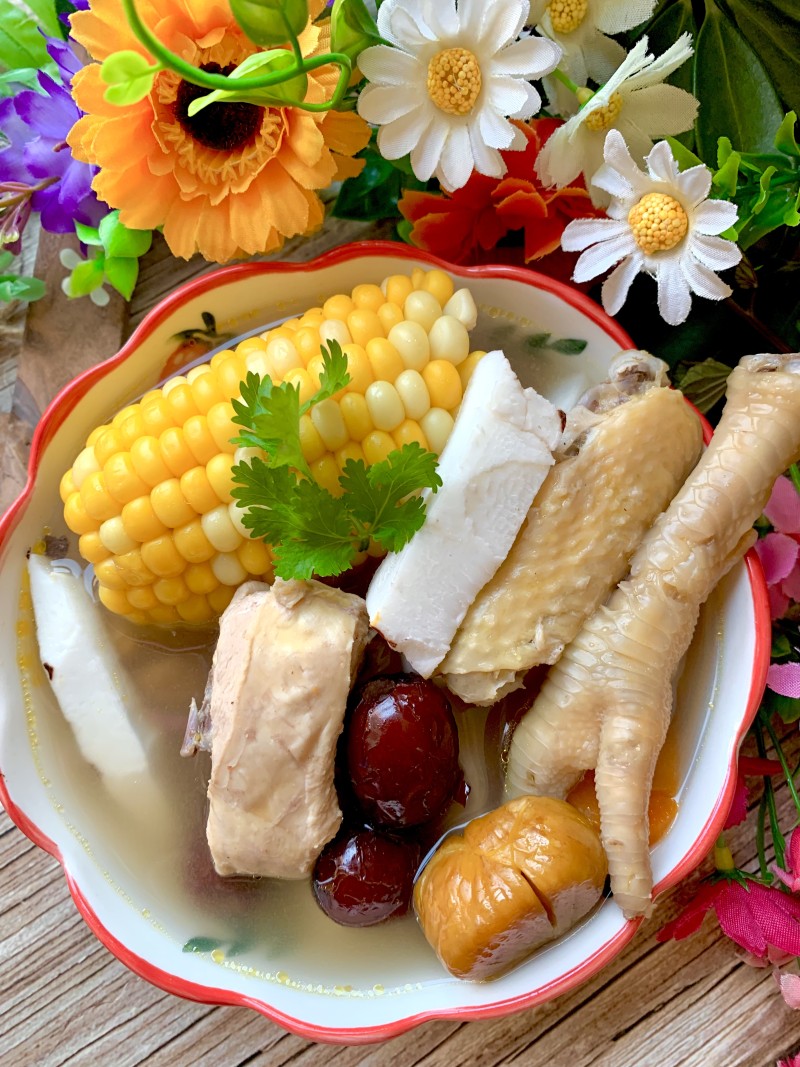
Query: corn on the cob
[150,494]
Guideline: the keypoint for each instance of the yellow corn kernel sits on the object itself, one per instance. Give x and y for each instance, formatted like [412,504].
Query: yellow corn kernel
[356,417]
[219,474]
[334,330]
[66,487]
[439,284]
[222,427]
[200,578]
[180,401]
[175,451]
[192,543]
[283,356]
[170,505]
[121,478]
[131,568]
[307,343]
[142,598]
[443,382]
[291,324]
[108,575]
[418,277]
[206,391]
[164,614]
[310,441]
[375,550]
[162,557]
[258,362]
[352,450]
[409,430]
[115,538]
[301,380]
[437,426]
[108,442]
[91,440]
[368,296]
[389,315]
[422,307]
[86,464]
[196,372]
[195,609]
[123,414]
[359,369]
[363,325]
[251,345]
[312,317]
[156,417]
[385,406]
[220,597]
[255,557]
[230,374]
[377,446]
[449,340]
[198,491]
[198,437]
[328,421]
[149,397]
[247,453]
[140,521]
[219,358]
[315,368]
[325,472]
[413,392]
[97,500]
[219,529]
[411,341]
[466,368]
[397,288]
[76,516]
[148,461]
[92,548]
[338,307]
[114,599]
[385,360]
[227,569]
[171,590]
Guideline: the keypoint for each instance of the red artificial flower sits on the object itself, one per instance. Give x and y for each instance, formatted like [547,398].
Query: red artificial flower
[748,767]
[791,875]
[464,225]
[754,916]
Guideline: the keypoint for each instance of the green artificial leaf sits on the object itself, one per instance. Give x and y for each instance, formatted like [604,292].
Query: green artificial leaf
[21,44]
[129,77]
[726,178]
[788,708]
[737,98]
[373,194]
[292,90]
[17,287]
[781,647]
[121,273]
[6,259]
[683,156]
[778,208]
[352,28]
[86,277]
[119,241]
[764,190]
[704,383]
[773,29]
[24,78]
[88,234]
[791,216]
[785,140]
[45,12]
[270,22]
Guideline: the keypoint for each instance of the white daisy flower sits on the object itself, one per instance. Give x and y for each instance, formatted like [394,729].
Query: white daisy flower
[661,223]
[580,28]
[632,101]
[447,88]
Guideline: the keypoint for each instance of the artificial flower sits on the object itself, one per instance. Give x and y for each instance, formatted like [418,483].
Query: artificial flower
[790,875]
[36,125]
[462,225]
[234,180]
[779,551]
[789,985]
[580,27]
[632,101]
[748,767]
[445,91]
[661,223]
[754,916]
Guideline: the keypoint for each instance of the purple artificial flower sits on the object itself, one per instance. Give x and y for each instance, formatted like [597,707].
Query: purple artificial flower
[78,5]
[36,126]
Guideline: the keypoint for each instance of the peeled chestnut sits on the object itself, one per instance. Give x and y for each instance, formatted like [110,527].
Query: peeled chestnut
[402,751]
[363,878]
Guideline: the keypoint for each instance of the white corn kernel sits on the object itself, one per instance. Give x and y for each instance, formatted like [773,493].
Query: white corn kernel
[172,383]
[449,340]
[256,362]
[422,307]
[462,307]
[413,391]
[227,568]
[219,529]
[334,330]
[283,355]
[385,406]
[329,424]
[247,455]
[115,537]
[235,513]
[437,426]
[84,465]
[411,341]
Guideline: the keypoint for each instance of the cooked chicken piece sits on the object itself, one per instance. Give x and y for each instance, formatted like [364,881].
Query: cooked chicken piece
[283,667]
[629,445]
[607,702]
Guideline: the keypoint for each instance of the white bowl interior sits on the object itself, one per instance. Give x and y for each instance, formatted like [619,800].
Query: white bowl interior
[144,883]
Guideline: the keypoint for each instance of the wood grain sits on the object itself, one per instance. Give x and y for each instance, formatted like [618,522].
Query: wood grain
[65,1000]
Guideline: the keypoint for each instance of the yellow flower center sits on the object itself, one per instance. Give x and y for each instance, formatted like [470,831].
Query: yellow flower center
[658,222]
[567,15]
[454,80]
[602,118]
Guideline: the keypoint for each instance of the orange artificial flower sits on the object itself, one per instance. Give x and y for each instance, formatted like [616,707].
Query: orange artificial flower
[464,225]
[234,180]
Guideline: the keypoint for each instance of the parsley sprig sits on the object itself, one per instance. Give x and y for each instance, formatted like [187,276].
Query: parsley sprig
[311,531]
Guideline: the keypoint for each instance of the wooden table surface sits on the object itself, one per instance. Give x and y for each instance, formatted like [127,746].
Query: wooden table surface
[64,999]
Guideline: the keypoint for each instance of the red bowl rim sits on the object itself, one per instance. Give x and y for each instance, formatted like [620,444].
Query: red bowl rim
[52,419]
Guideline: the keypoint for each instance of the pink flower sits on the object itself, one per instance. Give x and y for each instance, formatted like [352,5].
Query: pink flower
[780,551]
[791,876]
[789,985]
[754,916]
[784,678]
[748,767]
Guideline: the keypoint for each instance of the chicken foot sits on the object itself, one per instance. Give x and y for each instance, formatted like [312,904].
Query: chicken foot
[607,703]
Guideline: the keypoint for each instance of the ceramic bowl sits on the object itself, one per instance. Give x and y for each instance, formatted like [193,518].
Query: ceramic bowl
[151,898]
